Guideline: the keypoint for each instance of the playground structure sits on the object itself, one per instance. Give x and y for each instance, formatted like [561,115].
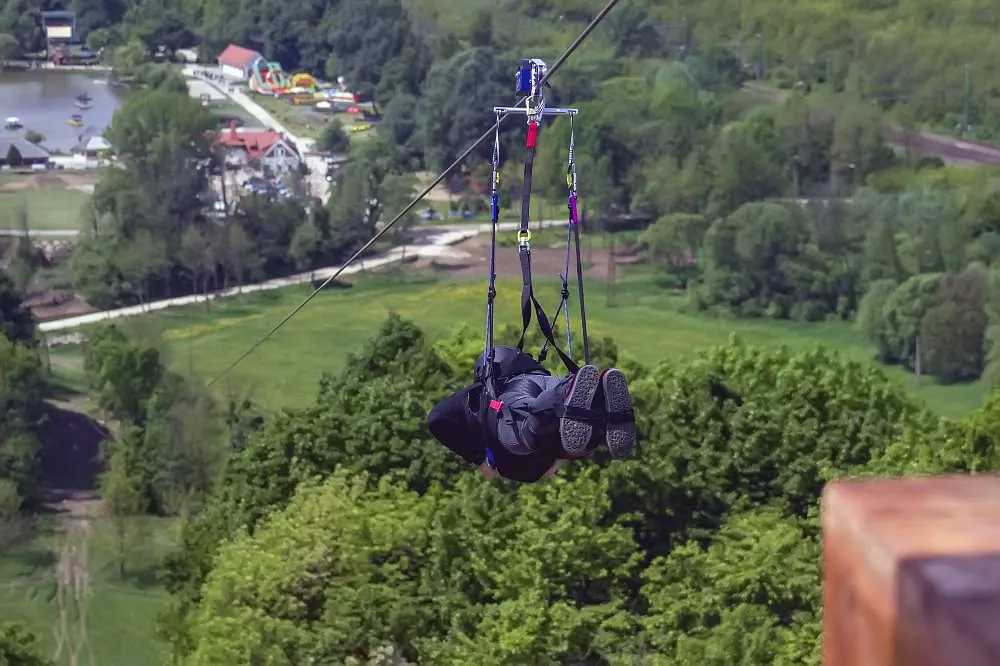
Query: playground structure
[305,81]
[269,78]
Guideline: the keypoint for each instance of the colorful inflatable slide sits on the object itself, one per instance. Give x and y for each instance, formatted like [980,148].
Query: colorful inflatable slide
[268,78]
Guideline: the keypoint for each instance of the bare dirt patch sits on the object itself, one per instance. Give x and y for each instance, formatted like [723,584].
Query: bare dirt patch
[52,304]
[470,259]
[71,444]
[83,180]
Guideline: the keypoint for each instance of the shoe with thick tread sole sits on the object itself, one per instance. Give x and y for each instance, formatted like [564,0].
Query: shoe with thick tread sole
[620,436]
[576,434]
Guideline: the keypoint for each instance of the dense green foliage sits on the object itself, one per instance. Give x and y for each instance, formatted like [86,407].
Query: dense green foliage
[342,528]
[20,647]
[22,387]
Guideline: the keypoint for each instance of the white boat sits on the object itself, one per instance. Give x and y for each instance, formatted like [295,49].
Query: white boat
[12,123]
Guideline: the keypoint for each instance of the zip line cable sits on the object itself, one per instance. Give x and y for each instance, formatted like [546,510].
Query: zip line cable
[560,61]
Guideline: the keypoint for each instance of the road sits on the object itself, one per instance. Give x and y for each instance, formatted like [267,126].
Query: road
[946,148]
[432,241]
[925,144]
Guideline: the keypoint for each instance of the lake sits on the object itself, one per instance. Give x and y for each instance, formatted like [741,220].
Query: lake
[44,101]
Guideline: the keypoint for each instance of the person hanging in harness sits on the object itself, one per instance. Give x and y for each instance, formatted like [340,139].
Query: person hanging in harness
[518,420]
[537,421]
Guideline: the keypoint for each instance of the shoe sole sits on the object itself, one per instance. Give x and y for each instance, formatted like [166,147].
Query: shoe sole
[576,435]
[619,436]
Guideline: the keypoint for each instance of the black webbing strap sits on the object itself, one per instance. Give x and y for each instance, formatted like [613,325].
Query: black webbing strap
[529,303]
[528,300]
[585,414]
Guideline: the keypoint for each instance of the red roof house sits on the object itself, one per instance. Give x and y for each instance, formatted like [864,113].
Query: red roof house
[238,61]
[272,149]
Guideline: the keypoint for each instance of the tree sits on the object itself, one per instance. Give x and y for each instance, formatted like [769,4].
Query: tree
[904,310]
[158,121]
[333,138]
[197,257]
[448,119]
[307,247]
[183,439]
[21,646]
[124,373]
[14,158]
[745,166]
[759,261]
[124,505]
[9,49]
[13,524]
[17,323]
[129,59]
[144,261]
[673,243]
[858,148]
[872,318]
[952,330]
[881,255]
[703,610]
[25,261]
[33,136]
[241,256]
[342,520]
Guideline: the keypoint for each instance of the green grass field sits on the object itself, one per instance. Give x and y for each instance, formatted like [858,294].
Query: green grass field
[120,612]
[648,323]
[48,207]
[301,120]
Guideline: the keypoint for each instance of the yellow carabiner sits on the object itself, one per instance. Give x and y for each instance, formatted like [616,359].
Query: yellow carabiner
[496,179]
[524,237]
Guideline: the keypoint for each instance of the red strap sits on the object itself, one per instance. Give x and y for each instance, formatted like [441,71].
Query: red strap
[532,135]
[495,405]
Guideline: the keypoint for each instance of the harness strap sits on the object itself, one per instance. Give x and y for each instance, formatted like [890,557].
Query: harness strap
[529,303]
[491,291]
[528,300]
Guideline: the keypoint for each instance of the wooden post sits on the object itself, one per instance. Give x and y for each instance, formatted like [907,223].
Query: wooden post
[911,571]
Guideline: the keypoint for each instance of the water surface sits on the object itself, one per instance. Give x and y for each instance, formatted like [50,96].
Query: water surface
[44,100]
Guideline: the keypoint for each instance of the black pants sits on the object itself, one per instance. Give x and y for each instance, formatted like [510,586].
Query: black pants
[528,420]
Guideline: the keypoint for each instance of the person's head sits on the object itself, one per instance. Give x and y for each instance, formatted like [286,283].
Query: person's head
[503,355]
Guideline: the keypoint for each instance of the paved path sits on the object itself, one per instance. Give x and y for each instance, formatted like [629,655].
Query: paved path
[433,241]
[41,233]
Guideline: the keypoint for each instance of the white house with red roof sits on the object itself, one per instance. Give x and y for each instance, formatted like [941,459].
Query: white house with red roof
[238,62]
[275,152]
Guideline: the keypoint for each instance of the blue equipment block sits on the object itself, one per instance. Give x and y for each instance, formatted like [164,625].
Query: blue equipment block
[523,78]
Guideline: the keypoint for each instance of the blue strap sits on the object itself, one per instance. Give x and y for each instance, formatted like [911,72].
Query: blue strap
[489,457]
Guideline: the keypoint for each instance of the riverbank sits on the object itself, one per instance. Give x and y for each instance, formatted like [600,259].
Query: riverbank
[34,65]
